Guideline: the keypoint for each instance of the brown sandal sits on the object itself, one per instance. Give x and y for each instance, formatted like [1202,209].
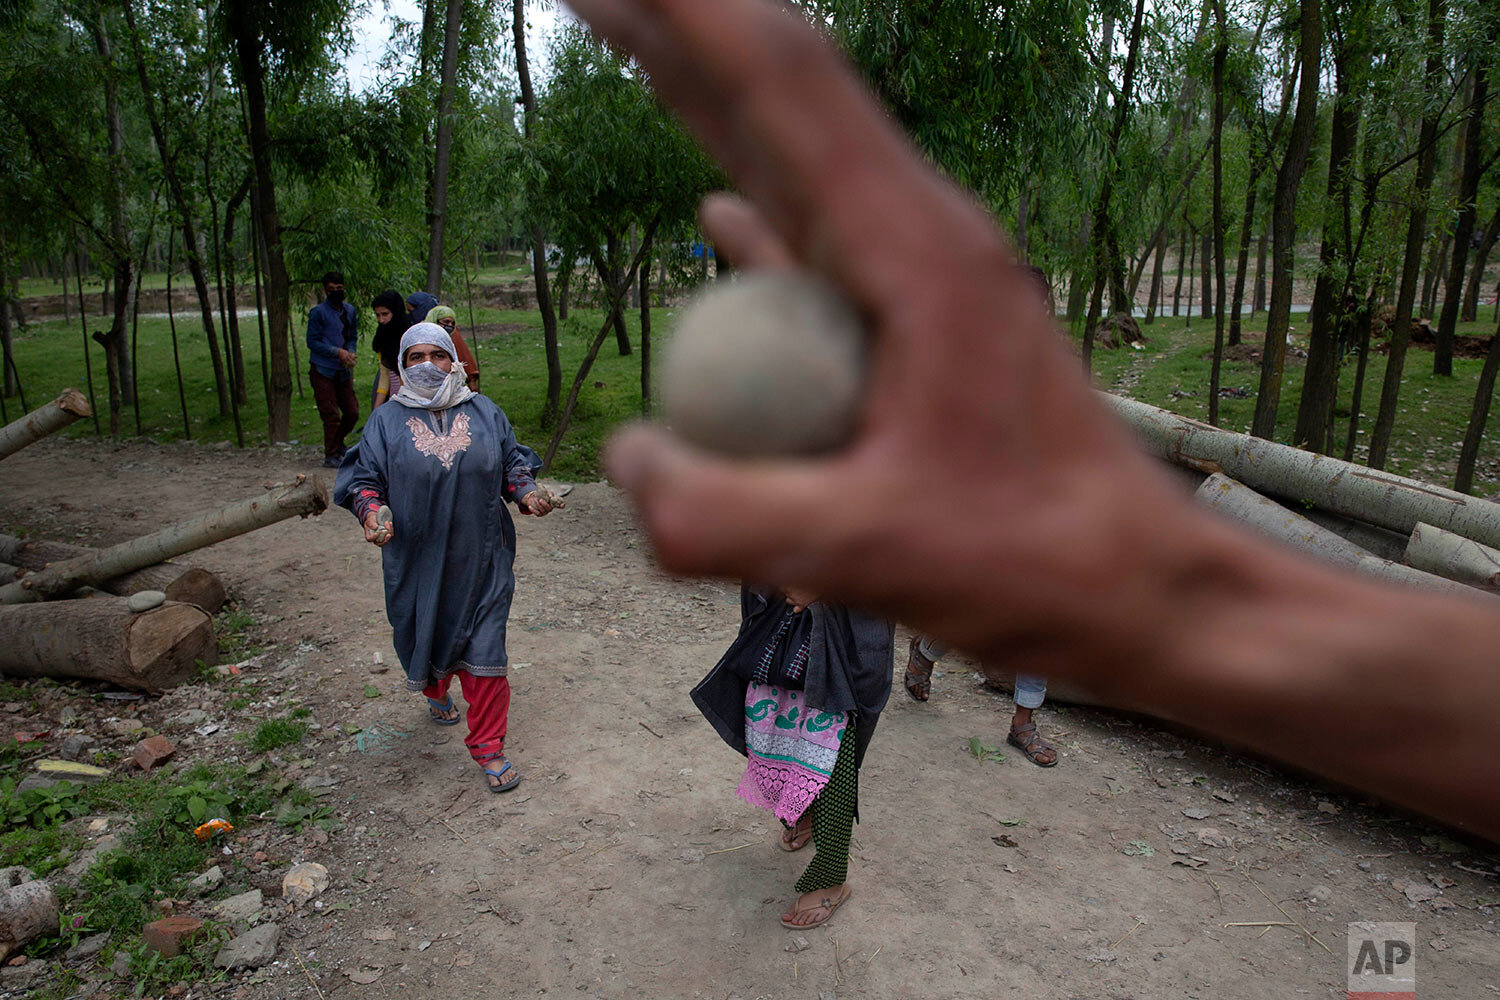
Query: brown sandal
[918,678]
[1027,740]
[793,839]
[829,903]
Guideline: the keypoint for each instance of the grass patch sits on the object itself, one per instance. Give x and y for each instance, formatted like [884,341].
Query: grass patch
[273,734]
[233,627]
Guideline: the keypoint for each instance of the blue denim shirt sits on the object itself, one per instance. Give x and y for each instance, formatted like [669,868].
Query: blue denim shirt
[327,334]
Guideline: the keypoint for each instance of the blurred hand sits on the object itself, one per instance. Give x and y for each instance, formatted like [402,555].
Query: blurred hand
[378,534]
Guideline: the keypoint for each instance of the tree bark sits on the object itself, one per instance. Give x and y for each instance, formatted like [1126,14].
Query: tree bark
[1270,518]
[1436,264]
[304,498]
[187,430]
[101,639]
[232,320]
[437,216]
[1463,225]
[1221,54]
[1479,415]
[184,584]
[645,304]
[1284,220]
[1153,298]
[45,420]
[1259,305]
[116,359]
[1182,245]
[1366,321]
[28,910]
[1455,557]
[1416,229]
[538,236]
[1380,498]
[609,270]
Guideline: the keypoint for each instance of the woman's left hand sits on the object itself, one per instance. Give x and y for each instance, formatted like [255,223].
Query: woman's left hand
[800,600]
[538,502]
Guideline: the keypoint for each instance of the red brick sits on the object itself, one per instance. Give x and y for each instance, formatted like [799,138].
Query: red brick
[151,753]
[170,934]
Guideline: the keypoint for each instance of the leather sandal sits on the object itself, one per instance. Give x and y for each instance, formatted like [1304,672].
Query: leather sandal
[918,677]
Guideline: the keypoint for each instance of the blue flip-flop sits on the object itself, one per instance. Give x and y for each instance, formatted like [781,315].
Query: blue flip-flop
[504,785]
[436,707]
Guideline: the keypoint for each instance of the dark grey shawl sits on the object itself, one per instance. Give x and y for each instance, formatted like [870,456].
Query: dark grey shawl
[848,667]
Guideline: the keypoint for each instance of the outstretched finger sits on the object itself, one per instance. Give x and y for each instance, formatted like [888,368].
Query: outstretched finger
[743,234]
[782,521]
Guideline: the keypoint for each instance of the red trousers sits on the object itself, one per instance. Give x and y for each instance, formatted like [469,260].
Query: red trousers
[489,707]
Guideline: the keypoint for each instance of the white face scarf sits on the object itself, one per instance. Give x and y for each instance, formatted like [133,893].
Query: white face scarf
[425,386]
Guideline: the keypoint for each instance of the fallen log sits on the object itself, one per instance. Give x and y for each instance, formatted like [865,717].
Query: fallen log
[1454,556]
[185,584]
[1270,518]
[44,420]
[1380,498]
[102,639]
[1382,542]
[28,909]
[304,498]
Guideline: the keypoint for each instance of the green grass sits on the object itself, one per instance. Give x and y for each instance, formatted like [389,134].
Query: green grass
[1173,373]
[273,734]
[49,357]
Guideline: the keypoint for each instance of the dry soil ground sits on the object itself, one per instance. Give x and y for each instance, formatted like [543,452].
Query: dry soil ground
[625,866]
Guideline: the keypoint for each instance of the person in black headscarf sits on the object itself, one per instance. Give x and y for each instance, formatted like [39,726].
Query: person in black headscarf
[393,321]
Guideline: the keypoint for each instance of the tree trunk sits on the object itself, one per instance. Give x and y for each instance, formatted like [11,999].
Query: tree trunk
[1463,225]
[1380,498]
[1390,390]
[248,45]
[1153,298]
[1182,251]
[1260,276]
[1192,274]
[1455,557]
[538,237]
[116,358]
[1221,54]
[437,216]
[232,322]
[564,281]
[609,276]
[1269,518]
[1470,311]
[304,498]
[1208,274]
[187,430]
[184,584]
[11,383]
[83,321]
[1321,378]
[236,387]
[1479,415]
[1429,275]
[1284,220]
[645,305]
[103,640]
[1366,321]
[1242,263]
[45,420]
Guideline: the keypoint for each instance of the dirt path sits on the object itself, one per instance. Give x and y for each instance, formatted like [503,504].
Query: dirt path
[625,866]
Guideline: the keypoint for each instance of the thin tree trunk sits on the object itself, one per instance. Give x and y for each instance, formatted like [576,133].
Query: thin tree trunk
[116,358]
[1320,379]
[1455,557]
[609,275]
[7,349]
[48,419]
[236,390]
[645,306]
[1221,54]
[187,430]
[437,215]
[248,46]
[1242,264]
[564,282]
[538,237]
[1260,276]
[1153,298]
[1463,225]
[1470,310]
[1438,266]
[1390,390]
[1479,415]
[1284,220]
[1192,274]
[1366,321]
[231,293]
[1182,252]
[186,584]
[83,320]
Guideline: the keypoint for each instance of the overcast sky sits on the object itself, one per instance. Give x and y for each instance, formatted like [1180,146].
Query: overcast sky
[373,30]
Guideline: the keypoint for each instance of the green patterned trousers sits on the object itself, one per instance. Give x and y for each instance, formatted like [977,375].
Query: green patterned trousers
[833,822]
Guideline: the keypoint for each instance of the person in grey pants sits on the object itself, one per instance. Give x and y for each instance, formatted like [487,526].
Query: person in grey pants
[924,654]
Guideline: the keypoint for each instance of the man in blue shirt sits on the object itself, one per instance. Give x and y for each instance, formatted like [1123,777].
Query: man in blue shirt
[331,340]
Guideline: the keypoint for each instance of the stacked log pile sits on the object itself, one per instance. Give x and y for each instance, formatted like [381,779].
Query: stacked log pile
[146,622]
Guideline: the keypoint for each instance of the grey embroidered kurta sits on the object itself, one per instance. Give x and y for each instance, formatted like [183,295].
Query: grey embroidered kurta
[446,476]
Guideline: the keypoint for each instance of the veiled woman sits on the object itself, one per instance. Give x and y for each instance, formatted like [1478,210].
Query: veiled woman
[799,693]
[446,462]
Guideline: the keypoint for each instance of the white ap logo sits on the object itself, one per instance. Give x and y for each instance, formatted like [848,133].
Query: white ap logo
[1382,961]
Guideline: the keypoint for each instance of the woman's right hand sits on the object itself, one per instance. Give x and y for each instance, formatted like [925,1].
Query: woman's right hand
[378,534]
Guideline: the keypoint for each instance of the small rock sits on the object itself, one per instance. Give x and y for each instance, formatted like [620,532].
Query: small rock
[1196,812]
[1363,866]
[1103,955]
[120,964]
[1223,795]
[251,949]
[304,882]
[1439,944]
[170,934]
[189,719]
[209,880]
[1209,836]
[145,600]
[68,717]
[68,770]
[798,943]
[1319,895]
[88,948]
[165,907]
[1328,807]
[243,908]
[21,892]
[75,747]
[153,752]
[1421,893]
[124,727]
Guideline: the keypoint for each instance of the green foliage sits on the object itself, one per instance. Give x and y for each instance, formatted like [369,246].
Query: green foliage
[233,625]
[273,734]
[40,807]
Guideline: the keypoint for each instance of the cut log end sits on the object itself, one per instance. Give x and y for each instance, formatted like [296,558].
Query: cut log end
[74,402]
[101,639]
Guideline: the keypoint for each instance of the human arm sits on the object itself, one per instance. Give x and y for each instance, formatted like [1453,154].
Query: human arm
[521,465]
[323,342]
[468,360]
[362,486]
[1055,543]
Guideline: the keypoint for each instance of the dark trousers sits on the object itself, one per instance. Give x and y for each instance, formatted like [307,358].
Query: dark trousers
[338,408]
